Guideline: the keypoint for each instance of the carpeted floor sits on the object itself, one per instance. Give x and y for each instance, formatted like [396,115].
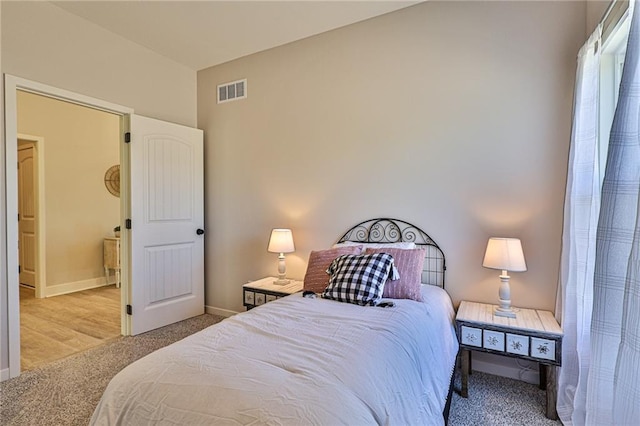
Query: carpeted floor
[67,391]
[495,400]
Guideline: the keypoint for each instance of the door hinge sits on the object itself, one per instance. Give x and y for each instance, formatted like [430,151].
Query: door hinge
[129,310]
[19,268]
[127,223]
[127,137]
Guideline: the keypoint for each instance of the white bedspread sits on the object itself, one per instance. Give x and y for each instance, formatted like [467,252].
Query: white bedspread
[297,361]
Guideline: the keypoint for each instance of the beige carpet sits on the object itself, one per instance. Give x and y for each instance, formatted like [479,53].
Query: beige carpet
[499,401]
[67,391]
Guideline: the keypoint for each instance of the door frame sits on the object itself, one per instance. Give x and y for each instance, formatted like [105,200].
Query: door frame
[41,246]
[11,86]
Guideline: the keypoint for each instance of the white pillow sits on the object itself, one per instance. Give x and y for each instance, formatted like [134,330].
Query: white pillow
[406,245]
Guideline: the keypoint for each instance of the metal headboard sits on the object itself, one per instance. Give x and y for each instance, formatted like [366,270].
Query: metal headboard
[385,230]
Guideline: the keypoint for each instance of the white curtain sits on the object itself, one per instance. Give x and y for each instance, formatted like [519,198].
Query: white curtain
[613,392]
[582,206]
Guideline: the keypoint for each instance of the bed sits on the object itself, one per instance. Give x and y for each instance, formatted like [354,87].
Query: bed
[305,360]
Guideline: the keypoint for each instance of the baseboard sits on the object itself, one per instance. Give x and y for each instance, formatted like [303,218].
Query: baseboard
[4,375]
[219,311]
[505,367]
[72,287]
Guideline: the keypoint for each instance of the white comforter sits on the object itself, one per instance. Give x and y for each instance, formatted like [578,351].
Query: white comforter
[297,361]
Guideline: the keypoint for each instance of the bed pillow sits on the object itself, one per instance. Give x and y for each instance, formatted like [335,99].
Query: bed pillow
[407,245]
[409,264]
[359,279]
[316,278]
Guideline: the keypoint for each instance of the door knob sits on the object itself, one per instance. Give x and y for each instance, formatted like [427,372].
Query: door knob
[200,231]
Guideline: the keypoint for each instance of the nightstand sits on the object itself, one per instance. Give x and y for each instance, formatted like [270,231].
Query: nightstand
[259,292]
[533,335]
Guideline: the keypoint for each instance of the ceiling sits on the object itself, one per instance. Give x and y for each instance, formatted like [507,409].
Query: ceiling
[200,34]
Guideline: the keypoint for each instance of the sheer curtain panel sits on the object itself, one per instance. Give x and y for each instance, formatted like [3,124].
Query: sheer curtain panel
[582,206]
[613,393]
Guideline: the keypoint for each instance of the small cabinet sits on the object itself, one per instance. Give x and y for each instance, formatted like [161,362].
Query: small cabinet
[111,258]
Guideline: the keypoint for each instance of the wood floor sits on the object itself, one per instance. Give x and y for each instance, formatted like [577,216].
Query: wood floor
[56,327]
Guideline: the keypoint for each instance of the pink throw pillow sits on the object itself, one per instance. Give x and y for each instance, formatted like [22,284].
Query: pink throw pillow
[317,279]
[409,264]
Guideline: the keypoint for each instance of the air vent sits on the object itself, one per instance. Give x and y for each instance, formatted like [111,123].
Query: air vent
[232,91]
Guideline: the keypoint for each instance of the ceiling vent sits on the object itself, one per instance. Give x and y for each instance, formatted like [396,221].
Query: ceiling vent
[232,91]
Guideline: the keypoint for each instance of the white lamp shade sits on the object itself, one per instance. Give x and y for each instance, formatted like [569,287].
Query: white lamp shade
[281,241]
[505,254]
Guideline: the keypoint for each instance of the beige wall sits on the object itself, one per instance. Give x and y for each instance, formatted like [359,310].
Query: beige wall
[454,116]
[80,145]
[41,42]
[46,44]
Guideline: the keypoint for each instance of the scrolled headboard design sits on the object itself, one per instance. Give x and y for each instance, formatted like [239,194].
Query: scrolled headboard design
[386,230]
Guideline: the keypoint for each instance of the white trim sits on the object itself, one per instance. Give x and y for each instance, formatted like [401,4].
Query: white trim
[125,235]
[65,95]
[219,311]
[11,85]
[41,248]
[4,375]
[72,287]
[11,182]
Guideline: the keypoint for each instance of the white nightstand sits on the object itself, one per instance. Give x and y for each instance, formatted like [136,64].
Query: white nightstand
[533,335]
[259,292]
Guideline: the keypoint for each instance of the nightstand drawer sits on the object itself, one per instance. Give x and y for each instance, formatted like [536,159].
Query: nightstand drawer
[249,297]
[471,336]
[543,348]
[517,344]
[493,340]
[261,299]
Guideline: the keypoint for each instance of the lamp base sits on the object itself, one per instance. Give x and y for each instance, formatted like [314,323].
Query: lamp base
[501,312]
[281,281]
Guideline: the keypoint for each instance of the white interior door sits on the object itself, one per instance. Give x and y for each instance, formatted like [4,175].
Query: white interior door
[27,214]
[167,223]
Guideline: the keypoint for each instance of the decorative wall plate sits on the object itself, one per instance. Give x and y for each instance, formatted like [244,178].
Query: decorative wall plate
[112,180]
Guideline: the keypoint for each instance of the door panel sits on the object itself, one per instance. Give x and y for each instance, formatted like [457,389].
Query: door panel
[27,214]
[167,207]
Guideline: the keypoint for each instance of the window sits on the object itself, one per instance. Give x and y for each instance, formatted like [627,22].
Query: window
[614,46]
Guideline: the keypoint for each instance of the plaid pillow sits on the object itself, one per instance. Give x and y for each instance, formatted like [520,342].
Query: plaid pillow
[359,279]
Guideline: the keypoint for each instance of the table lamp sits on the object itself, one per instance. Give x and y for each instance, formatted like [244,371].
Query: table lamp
[504,254]
[281,242]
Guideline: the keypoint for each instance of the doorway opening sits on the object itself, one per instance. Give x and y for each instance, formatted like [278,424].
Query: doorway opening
[161,197]
[66,219]
[13,85]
